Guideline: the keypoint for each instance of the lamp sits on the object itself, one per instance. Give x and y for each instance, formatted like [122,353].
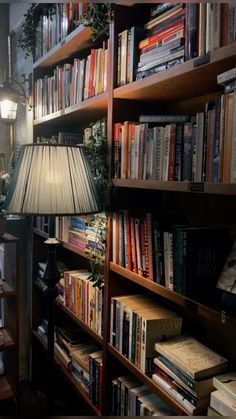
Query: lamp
[52,180]
[11,94]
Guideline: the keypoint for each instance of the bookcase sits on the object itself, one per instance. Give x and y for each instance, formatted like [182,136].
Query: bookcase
[9,347]
[184,88]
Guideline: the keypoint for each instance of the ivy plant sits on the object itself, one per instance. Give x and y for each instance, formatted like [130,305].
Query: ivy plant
[97,17]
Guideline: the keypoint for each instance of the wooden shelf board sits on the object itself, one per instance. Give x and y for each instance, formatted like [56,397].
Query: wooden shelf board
[76,41]
[90,109]
[40,233]
[75,249]
[8,238]
[175,186]
[207,312]
[87,329]
[176,83]
[145,379]
[76,386]
[8,341]
[7,291]
[151,184]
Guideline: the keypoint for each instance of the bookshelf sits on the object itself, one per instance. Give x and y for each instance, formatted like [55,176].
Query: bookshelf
[181,89]
[9,347]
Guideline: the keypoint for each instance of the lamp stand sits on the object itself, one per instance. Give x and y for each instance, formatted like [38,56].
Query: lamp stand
[51,277]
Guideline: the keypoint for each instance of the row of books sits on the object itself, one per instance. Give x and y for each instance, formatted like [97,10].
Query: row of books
[137,322]
[185,369]
[81,356]
[132,398]
[61,20]
[66,138]
[180,147]
[85,232]
[184,258]
[174,33]
[78,293]
[71,83]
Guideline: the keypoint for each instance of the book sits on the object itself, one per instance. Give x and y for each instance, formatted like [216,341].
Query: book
[226,383]
[194,358]
[202,251]
[197,388]
[226,76]
[164,118]
[222,403]
[227,278]
[212,412]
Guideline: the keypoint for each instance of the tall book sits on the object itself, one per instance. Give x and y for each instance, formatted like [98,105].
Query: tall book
[194,358]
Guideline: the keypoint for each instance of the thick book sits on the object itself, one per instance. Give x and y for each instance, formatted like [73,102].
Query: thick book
[227,384]
[222,403]
[194,358]
[199,257]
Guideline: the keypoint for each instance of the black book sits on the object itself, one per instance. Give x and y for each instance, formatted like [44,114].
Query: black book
[199,256]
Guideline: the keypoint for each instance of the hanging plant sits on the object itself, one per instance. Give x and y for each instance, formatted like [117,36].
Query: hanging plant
[96,151]
[97,254]
[31,20]
[97,17]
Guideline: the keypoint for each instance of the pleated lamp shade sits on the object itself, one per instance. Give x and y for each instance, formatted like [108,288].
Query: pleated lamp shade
[52,179]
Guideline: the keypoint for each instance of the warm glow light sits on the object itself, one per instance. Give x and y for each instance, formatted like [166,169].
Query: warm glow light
[8,109]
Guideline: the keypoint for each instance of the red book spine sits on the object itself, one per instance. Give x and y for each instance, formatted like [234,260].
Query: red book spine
[224,24]
[171,167]
[159,35]
[91,73]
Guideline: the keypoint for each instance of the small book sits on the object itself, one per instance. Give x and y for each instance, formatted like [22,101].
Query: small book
[226,383]
[194,358]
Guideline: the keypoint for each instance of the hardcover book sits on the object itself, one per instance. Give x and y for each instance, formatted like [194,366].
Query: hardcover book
[194,358]
[227,384]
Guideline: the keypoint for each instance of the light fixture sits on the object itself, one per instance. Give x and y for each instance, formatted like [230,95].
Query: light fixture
[52,180]
[11,94]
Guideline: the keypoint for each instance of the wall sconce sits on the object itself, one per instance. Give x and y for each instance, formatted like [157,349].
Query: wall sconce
[12,94]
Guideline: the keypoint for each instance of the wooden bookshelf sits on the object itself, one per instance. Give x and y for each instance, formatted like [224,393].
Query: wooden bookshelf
[66,373]
[78,40]
[183,88]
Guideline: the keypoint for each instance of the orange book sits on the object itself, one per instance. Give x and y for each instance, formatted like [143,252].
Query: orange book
[92,72]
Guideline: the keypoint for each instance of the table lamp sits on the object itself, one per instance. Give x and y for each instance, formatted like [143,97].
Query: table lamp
[52,180]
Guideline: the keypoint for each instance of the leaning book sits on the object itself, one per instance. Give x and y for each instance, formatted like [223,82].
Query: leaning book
[194,358]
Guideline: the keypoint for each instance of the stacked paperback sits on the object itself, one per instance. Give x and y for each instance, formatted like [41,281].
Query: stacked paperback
[223,399]
[185,369]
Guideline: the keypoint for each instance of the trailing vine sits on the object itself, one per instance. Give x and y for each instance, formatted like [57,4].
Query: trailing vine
[31,20]
[97,17]
[96,151]
[97,255]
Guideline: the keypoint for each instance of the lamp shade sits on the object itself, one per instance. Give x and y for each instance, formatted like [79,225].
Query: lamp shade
[52,179]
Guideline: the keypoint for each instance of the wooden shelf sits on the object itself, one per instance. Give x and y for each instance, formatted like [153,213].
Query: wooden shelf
[82,113]
[8,342]
[40,233]
[75,42]
[66,373]
[176,186]
[177,83]
[6,291]
[147,380]
[87,329]
[210,313]
[75,249]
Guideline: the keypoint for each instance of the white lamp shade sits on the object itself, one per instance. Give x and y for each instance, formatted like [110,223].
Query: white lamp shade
[52,180]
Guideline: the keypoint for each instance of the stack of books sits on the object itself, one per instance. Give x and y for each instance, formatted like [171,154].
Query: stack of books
[185,369]
[223,400]
[164,45]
